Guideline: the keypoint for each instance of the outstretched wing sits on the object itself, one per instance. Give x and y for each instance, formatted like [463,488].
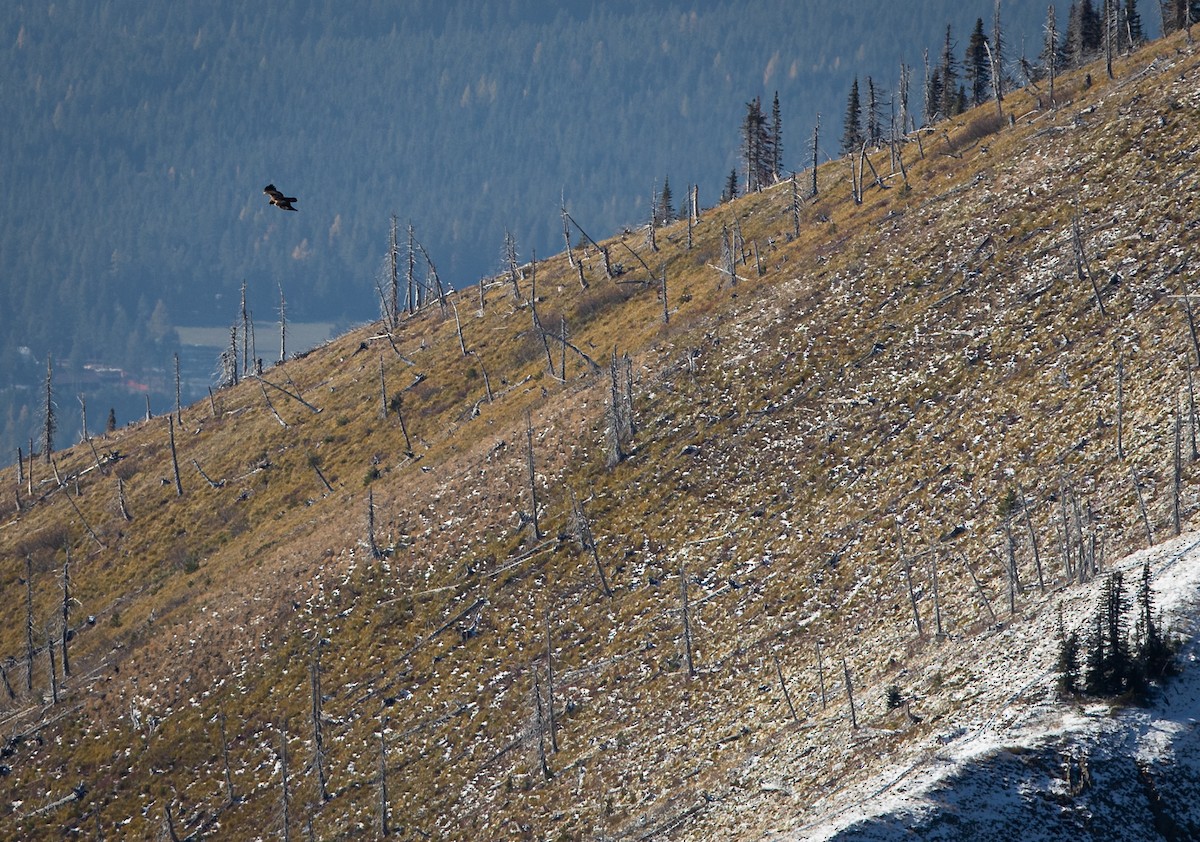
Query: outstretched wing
[276,198]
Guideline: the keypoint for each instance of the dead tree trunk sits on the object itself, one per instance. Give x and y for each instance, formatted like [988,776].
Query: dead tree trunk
[230,797]
[821,676]
[850,695]
[687,622]
[787,696]
[912,595]
[815,152]
[979,589]
[29,648]
[587,541]
[384,829]
[66,612]
[1191,390]
[541,726]
[1037,556]
[937,598]
[1176,502]
[53,664]
[376,553]
[1083,267]
[283,769]
[1121,407]
[174,457]
[122,505]
[318,731]
[1191,316]
[1014,580]
[1137,487]
[533,497]
[383,407]
[550,688]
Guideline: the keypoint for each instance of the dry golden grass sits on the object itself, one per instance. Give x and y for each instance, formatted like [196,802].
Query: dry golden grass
[900,368]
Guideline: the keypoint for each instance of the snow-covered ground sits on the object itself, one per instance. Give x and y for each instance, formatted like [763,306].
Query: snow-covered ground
[1038,768]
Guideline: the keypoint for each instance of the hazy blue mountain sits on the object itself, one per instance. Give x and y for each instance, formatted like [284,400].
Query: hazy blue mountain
[138,137]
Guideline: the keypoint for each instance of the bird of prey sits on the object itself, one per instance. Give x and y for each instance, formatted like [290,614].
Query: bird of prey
[278,199]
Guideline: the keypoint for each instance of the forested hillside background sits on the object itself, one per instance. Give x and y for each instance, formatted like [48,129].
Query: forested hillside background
[138,136]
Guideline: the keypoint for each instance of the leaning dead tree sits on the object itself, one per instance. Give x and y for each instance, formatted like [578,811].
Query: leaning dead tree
[587,541]
[608,269]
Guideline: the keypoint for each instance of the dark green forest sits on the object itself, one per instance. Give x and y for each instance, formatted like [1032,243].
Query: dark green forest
[138,137]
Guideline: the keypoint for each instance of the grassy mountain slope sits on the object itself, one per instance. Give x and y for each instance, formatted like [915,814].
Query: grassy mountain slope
[898,383]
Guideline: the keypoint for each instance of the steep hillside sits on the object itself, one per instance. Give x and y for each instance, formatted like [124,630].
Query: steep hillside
[351,605]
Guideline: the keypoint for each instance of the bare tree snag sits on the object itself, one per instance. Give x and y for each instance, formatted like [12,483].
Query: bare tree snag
[174,457]
[815,152]
[178,392]
[122,505]
[587,541]
[567,237]
[1083,267]
[230,797]
[794,207]
[271,406]
[1014,579]
[608,271]
[53,664]
[282,325]
[787,696]
[850,695]
[541,727]
[462,343]
[550,688]
[1191,391]
[314,462]
[384,829]
[510,263]
[87,526]
[376,553]
[1037,556]
[283,769]
[979,589]
[292,395]
[937,598]
[398,406]
[1121,407]
[169,820]
[666,308]
[8,688]
[29,647]
[1068,565]
[318,730]
[410,276]
[66,611]
[687,622]
[1176,486]
[912,595]
[533,498]
[487,383]
[821,676]
[1137,487]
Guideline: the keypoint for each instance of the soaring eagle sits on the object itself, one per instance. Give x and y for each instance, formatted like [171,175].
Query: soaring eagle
[278,199]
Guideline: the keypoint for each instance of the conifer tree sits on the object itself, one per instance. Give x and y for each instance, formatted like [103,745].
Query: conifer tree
[731,187]
[951,96]
[852,136]
[757,153]
[976,66]
[1131,24]
[666,206]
